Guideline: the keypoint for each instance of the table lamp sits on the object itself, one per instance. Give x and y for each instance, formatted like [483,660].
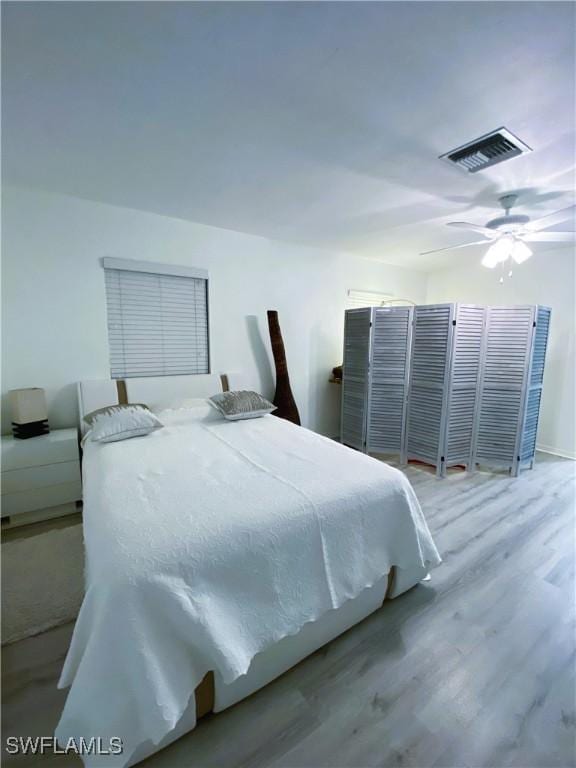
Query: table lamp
[29,412]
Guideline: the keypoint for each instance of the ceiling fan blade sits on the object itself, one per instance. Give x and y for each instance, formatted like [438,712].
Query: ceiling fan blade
[550,237]
[552,218]
[486,231]
[453,247]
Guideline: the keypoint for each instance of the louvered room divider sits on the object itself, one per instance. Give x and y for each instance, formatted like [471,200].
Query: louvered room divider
[444,383]
[377,344]
[511,386]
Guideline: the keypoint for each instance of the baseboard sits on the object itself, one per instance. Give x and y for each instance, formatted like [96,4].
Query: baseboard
[556,452]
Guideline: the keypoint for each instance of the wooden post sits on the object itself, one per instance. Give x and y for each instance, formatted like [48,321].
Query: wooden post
[283,397]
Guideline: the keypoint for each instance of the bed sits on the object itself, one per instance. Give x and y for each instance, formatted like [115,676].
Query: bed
[218,555]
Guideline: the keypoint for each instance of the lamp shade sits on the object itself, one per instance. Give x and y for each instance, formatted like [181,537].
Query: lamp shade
[499,251]
[28,405]
[520,252]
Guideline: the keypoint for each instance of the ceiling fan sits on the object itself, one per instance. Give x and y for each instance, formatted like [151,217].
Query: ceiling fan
[509,234]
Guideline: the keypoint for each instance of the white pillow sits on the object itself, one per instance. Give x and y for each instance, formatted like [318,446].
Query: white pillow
[184,404]
[121,422]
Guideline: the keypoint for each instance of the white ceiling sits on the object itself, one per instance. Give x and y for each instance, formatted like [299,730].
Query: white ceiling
[316,123]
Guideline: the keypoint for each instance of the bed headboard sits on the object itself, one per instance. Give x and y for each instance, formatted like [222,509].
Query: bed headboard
[154,391]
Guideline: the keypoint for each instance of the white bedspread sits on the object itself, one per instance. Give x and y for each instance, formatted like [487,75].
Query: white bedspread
[207,542]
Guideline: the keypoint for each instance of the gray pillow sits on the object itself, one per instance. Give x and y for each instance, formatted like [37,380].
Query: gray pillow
[89,417]
[241,405]
[121,422]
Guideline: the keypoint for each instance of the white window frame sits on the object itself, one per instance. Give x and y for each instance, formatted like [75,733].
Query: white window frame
[158,268]
[359,299]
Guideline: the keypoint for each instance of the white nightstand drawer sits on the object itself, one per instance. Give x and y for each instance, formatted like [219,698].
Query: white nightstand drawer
[58,446]
[31,478]
[40,476]
[39,498]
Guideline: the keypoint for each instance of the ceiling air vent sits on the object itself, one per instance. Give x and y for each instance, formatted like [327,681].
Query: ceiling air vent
[488,150]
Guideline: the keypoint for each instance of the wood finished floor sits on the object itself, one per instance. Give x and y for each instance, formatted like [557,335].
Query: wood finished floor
[473,669]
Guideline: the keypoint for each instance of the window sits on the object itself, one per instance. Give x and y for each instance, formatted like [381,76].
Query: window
[359,299]
[157,319]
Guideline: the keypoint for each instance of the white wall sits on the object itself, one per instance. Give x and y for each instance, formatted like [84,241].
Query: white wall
[547,278]
[54,312]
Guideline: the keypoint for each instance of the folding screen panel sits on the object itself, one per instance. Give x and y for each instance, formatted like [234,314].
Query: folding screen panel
[355,375]
[388,386]
[511,386]
[444,380]
[534,396]
[429,379]
[375,378]
[464,381]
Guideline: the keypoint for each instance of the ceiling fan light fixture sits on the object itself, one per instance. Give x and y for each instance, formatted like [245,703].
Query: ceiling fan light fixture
[498,252]
[520,252]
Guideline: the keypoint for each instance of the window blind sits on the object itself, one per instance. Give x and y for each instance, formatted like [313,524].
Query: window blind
[360,299]
[157,322]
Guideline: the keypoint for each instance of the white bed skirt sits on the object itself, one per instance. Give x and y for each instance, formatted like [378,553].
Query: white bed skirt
[276,660]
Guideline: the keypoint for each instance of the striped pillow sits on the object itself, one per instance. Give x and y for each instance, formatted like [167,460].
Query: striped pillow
[241,405]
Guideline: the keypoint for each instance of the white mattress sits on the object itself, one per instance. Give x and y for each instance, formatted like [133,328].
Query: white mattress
[207,543]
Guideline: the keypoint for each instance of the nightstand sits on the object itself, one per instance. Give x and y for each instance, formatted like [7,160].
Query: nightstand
[40,477]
